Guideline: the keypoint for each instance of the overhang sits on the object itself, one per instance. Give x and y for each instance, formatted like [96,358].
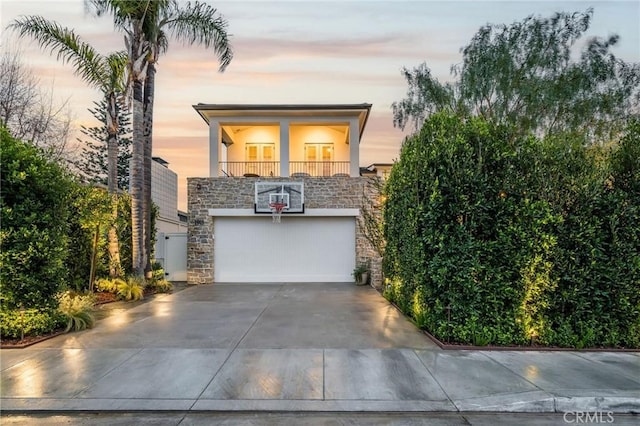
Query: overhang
[337,111]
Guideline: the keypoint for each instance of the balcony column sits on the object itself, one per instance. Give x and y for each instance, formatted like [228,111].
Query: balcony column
[284,148]
[354,147]
[214,148]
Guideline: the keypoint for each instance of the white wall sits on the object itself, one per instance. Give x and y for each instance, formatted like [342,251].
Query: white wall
[254,134]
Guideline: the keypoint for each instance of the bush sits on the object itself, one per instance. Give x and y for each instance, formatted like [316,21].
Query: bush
[16,324]
[77,309]
[494,239]
[131,289]
[34,202]
[157,282]
[160,286]
[108,285]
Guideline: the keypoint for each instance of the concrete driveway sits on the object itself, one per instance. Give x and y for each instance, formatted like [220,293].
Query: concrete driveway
[301,348]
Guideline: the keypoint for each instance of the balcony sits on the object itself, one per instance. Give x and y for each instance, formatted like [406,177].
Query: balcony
[296,168]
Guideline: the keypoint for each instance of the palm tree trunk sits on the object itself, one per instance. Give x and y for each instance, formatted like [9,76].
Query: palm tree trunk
[137,183]
[137,60]
[149,86]
[115,268]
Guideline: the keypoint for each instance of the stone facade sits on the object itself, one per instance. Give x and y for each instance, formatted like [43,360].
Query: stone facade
[238,193]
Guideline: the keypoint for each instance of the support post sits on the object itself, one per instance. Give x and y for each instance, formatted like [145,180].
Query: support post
[284,148]
[354,147]
[214,148]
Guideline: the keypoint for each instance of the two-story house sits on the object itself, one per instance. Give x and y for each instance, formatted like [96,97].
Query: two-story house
[301,158]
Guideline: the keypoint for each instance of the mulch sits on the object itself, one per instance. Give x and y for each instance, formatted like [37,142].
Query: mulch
[102,298]
[28,340]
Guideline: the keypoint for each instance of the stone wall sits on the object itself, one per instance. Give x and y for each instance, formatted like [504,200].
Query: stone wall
[238,193]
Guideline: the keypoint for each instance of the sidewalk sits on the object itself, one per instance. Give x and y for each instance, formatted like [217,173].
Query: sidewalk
[297,348]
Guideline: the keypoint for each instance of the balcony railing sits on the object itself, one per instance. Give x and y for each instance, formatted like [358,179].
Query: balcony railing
[250,168]
[296,168]
[319,168]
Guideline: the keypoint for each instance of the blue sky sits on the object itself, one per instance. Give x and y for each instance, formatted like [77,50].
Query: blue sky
[301,52]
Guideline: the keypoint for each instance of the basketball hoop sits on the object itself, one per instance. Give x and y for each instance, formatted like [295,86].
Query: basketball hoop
[276,211]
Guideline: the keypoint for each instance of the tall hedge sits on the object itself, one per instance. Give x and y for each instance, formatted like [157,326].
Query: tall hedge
[503,240]
[34,195]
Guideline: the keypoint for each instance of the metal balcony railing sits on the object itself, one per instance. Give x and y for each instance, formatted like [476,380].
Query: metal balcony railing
[319,168]
[296,168]
[250,168]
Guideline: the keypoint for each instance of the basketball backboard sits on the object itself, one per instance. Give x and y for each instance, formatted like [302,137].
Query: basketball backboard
[289,193]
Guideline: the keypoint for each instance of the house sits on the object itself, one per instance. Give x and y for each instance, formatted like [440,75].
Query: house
[301,158]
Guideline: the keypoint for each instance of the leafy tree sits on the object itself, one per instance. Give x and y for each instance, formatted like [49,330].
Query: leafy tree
[87,253]
[106,73]
[34,198]
[93,164]
[524,75]
[148,25]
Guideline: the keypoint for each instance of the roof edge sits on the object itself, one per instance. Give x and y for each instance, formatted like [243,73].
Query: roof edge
[281,107]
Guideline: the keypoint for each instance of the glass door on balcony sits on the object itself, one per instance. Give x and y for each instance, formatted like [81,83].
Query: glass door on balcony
[319,157]
[260,159]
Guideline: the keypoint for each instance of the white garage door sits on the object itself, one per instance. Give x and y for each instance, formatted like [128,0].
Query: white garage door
[299,249]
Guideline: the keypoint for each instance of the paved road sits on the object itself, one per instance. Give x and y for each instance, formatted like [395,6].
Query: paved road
[315,348]
[313,419]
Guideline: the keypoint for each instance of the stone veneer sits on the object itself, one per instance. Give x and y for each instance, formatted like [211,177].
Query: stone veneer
[238,193]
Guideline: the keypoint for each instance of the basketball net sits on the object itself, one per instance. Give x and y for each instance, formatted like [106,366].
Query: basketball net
[276,211]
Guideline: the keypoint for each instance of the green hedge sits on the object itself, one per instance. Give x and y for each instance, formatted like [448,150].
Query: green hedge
[34,217]
[497,240]
[15,324]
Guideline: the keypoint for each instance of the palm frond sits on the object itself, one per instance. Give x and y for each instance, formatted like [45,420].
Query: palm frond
[67,46]
[200,23]
[123,11]
[117,63]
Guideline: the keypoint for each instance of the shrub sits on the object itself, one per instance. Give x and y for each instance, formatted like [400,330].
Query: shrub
[109,285]
[496,239]
[34,194]
[77,309]
[160,286]
[157,282]
[16,324]
[131,289]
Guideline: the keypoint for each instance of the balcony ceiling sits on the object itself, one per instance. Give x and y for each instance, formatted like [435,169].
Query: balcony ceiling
[338,111]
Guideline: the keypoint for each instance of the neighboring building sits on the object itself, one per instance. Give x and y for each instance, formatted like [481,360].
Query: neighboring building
[381,170]
[306,156]
[164,194]
[171,224]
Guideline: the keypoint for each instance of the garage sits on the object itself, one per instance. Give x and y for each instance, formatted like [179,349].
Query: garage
[299,249]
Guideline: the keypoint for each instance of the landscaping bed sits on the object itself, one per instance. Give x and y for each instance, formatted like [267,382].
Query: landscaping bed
[104,302]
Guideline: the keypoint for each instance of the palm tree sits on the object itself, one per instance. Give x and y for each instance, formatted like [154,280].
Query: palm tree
[106,73]
[154,22]
[130,17]
[191,23]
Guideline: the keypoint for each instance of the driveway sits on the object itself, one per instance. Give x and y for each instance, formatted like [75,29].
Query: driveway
[297,347]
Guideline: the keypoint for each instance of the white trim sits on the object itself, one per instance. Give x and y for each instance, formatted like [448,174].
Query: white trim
[307,212]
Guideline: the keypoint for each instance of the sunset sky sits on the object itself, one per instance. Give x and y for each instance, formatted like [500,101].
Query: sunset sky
[299,52]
